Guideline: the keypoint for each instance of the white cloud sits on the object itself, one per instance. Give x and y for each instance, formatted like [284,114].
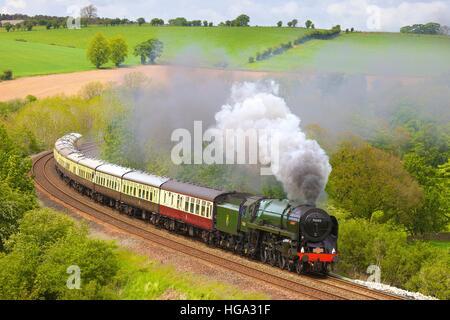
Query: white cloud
[363,13]
[416,12]
[289,9]
[13,6]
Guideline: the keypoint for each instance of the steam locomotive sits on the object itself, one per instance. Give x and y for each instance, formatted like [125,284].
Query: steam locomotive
[294,236]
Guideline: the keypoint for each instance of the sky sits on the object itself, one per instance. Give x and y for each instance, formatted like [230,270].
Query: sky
[368,15]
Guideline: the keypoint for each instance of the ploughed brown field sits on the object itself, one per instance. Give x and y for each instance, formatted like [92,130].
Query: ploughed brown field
[72,83]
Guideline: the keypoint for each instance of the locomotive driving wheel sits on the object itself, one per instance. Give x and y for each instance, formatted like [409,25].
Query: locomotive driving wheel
[300,267]
[282,262]
[264,253]
[274,258]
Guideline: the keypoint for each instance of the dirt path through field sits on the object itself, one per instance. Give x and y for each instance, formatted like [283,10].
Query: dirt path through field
[72,83]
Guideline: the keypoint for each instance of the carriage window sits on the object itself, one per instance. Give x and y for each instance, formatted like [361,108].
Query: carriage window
[202,209]
[192,205]
[178,201]
[197,207]
[186,204]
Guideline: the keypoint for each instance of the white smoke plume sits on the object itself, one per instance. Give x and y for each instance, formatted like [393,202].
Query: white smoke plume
[304,166]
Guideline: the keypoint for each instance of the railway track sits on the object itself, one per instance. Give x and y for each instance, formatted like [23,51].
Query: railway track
[50,185]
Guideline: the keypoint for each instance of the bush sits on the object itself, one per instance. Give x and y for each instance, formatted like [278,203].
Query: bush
[35,266]
[7,75]
[251,60]
[30,98]
[433,278]
[416,266]
[92,90]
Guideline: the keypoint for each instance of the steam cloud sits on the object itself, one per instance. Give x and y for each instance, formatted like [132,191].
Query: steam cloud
[303,165]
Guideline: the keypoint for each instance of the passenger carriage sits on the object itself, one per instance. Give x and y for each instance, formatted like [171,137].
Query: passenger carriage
[194,205]
[142,190]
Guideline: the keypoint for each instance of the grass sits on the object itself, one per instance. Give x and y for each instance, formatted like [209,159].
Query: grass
[194,46]
[368,53]
[441,244]
[141,279]
[15,55]
[44,51]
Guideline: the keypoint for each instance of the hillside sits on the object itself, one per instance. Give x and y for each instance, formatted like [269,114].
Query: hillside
[368,53]
[56,51]
[192,46]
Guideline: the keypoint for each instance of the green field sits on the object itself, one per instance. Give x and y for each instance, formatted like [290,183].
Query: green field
[369,53]
[37,58]
[55,51]
[193,46]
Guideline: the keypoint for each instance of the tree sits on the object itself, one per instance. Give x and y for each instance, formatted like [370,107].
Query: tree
[119,50]
[179,22]
[289,24]
[89,12]
[434,214]
[98,51]
[16,188]
[308,24]
[445,30]
[28,25]
[429,28]
[294,23]
[140,21]
[205,23]
[279,23]
[8,26]
[157,22]
[150,49]
[241,21]
[366,179]
[210,24]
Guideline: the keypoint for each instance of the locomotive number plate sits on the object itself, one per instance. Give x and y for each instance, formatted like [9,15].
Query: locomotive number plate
[318,250]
